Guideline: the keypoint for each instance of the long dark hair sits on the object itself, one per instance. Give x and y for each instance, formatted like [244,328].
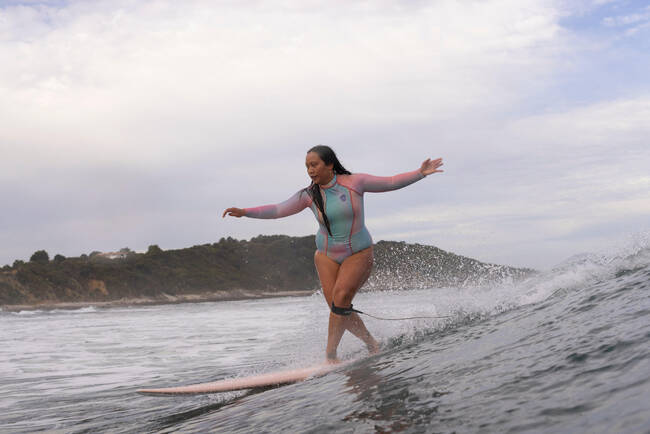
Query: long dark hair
[329,157]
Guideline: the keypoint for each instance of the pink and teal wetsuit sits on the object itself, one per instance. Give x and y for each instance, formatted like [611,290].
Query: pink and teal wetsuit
[343,204]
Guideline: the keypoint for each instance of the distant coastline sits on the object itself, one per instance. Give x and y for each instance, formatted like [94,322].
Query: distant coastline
[265,266]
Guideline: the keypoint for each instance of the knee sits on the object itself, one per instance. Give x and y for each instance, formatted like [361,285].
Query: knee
[342,297]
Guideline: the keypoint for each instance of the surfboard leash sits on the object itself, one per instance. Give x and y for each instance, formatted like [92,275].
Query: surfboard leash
[348,310]
[402,319]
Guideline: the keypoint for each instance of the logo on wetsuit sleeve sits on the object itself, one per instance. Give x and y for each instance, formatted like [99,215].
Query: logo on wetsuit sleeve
[342,197]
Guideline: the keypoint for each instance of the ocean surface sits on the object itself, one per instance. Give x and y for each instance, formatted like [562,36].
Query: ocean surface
[566,351]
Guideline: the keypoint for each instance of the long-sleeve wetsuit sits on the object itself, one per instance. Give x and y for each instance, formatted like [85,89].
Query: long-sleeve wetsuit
[343,204]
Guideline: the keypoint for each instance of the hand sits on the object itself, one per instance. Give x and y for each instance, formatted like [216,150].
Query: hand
[235,212]
[431,166]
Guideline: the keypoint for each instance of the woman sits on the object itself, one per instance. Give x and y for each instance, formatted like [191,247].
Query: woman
[344,247]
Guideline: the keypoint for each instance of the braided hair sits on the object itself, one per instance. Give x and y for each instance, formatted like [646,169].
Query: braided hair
[329,157]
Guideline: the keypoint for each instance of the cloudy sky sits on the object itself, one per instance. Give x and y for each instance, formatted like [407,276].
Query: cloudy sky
[130,123]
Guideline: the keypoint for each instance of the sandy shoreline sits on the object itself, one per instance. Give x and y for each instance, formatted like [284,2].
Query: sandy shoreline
[163,299]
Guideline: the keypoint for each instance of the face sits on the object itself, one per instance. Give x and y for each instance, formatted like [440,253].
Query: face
[318,171]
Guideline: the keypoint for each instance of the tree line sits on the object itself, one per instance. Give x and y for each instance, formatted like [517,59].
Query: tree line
[265,263]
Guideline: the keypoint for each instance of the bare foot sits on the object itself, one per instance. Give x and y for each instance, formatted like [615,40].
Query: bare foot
[331,359]
[373,347]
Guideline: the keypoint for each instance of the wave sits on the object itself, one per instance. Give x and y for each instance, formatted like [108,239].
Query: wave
[585,269]
[87,309]
[467,305]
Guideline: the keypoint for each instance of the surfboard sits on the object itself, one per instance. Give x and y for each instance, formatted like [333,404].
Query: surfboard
[263,380]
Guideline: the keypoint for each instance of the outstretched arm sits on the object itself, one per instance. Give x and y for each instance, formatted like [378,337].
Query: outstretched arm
[375,184]
[293,205]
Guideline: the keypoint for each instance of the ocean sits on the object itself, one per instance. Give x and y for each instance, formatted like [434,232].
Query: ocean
[564,351]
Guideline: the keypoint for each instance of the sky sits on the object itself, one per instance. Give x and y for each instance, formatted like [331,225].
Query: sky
[132,123]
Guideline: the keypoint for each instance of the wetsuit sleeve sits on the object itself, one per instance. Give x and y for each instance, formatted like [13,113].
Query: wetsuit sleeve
[376,184]
[293,205]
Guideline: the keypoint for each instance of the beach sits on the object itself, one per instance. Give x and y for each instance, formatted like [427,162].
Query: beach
[237,294]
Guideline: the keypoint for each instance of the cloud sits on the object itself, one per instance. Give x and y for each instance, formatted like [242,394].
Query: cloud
[625,20]
[151,82]
[124,121]
[565,172]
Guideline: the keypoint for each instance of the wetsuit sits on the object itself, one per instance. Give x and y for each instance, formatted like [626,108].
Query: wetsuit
[343,204]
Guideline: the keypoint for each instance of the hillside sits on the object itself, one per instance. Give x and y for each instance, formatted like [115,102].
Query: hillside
[265,264]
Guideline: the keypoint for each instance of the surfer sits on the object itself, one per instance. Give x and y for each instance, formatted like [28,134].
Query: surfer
[343,256]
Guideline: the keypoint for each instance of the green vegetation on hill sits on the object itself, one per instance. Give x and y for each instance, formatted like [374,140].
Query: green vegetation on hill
[265,263]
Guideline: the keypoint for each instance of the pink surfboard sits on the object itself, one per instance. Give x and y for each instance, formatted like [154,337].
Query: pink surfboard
[262,380]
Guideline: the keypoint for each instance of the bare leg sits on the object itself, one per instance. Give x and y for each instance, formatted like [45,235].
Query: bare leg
[340,283]
[328,272]
[356,326]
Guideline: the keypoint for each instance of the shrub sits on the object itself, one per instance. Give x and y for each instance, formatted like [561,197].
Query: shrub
[40,256]
[154,250]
